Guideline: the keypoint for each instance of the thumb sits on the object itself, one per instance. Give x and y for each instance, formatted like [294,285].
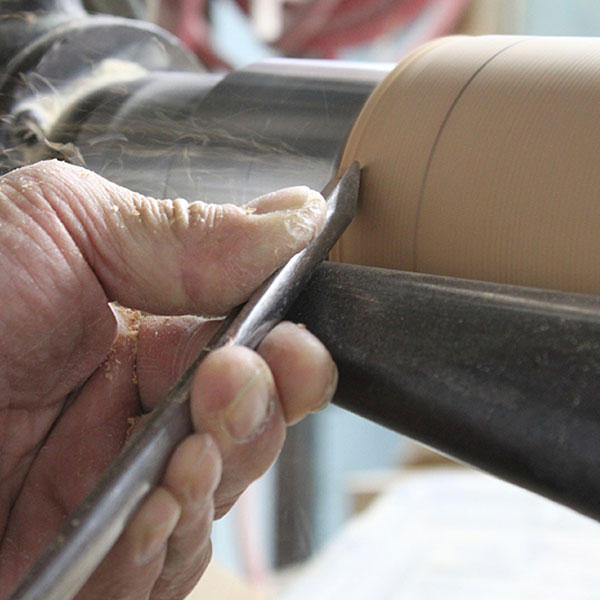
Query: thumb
[168,256]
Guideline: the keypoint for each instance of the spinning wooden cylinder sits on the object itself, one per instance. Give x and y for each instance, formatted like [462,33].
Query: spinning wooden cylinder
[479,160]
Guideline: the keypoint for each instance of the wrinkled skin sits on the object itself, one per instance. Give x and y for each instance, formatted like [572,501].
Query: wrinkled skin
[77,374]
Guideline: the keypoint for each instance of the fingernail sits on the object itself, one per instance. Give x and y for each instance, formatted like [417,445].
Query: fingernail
[287,199]
[205,476]
[154,538]
[329,390]
[248,412]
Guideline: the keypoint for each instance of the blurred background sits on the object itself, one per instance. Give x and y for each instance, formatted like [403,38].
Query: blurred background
[231,33]
[301,531]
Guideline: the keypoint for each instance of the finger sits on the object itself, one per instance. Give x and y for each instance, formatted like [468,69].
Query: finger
[192,476]
[134,564]
[305,374]
[235,400]
[168,256]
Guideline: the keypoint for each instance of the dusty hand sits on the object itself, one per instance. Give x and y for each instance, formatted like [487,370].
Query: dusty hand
[77,374]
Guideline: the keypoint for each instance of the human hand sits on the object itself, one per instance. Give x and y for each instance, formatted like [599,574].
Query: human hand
[77,373]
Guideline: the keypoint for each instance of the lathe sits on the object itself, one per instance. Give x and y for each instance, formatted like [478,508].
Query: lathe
[462,304]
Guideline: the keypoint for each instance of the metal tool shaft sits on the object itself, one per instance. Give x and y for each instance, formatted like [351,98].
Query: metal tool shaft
[90,532]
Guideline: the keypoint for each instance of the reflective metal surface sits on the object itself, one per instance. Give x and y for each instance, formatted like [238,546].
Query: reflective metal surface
[52,82]
[121,99]
[271,125]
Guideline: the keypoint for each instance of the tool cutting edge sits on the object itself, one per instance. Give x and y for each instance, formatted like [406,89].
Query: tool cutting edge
[91,530]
